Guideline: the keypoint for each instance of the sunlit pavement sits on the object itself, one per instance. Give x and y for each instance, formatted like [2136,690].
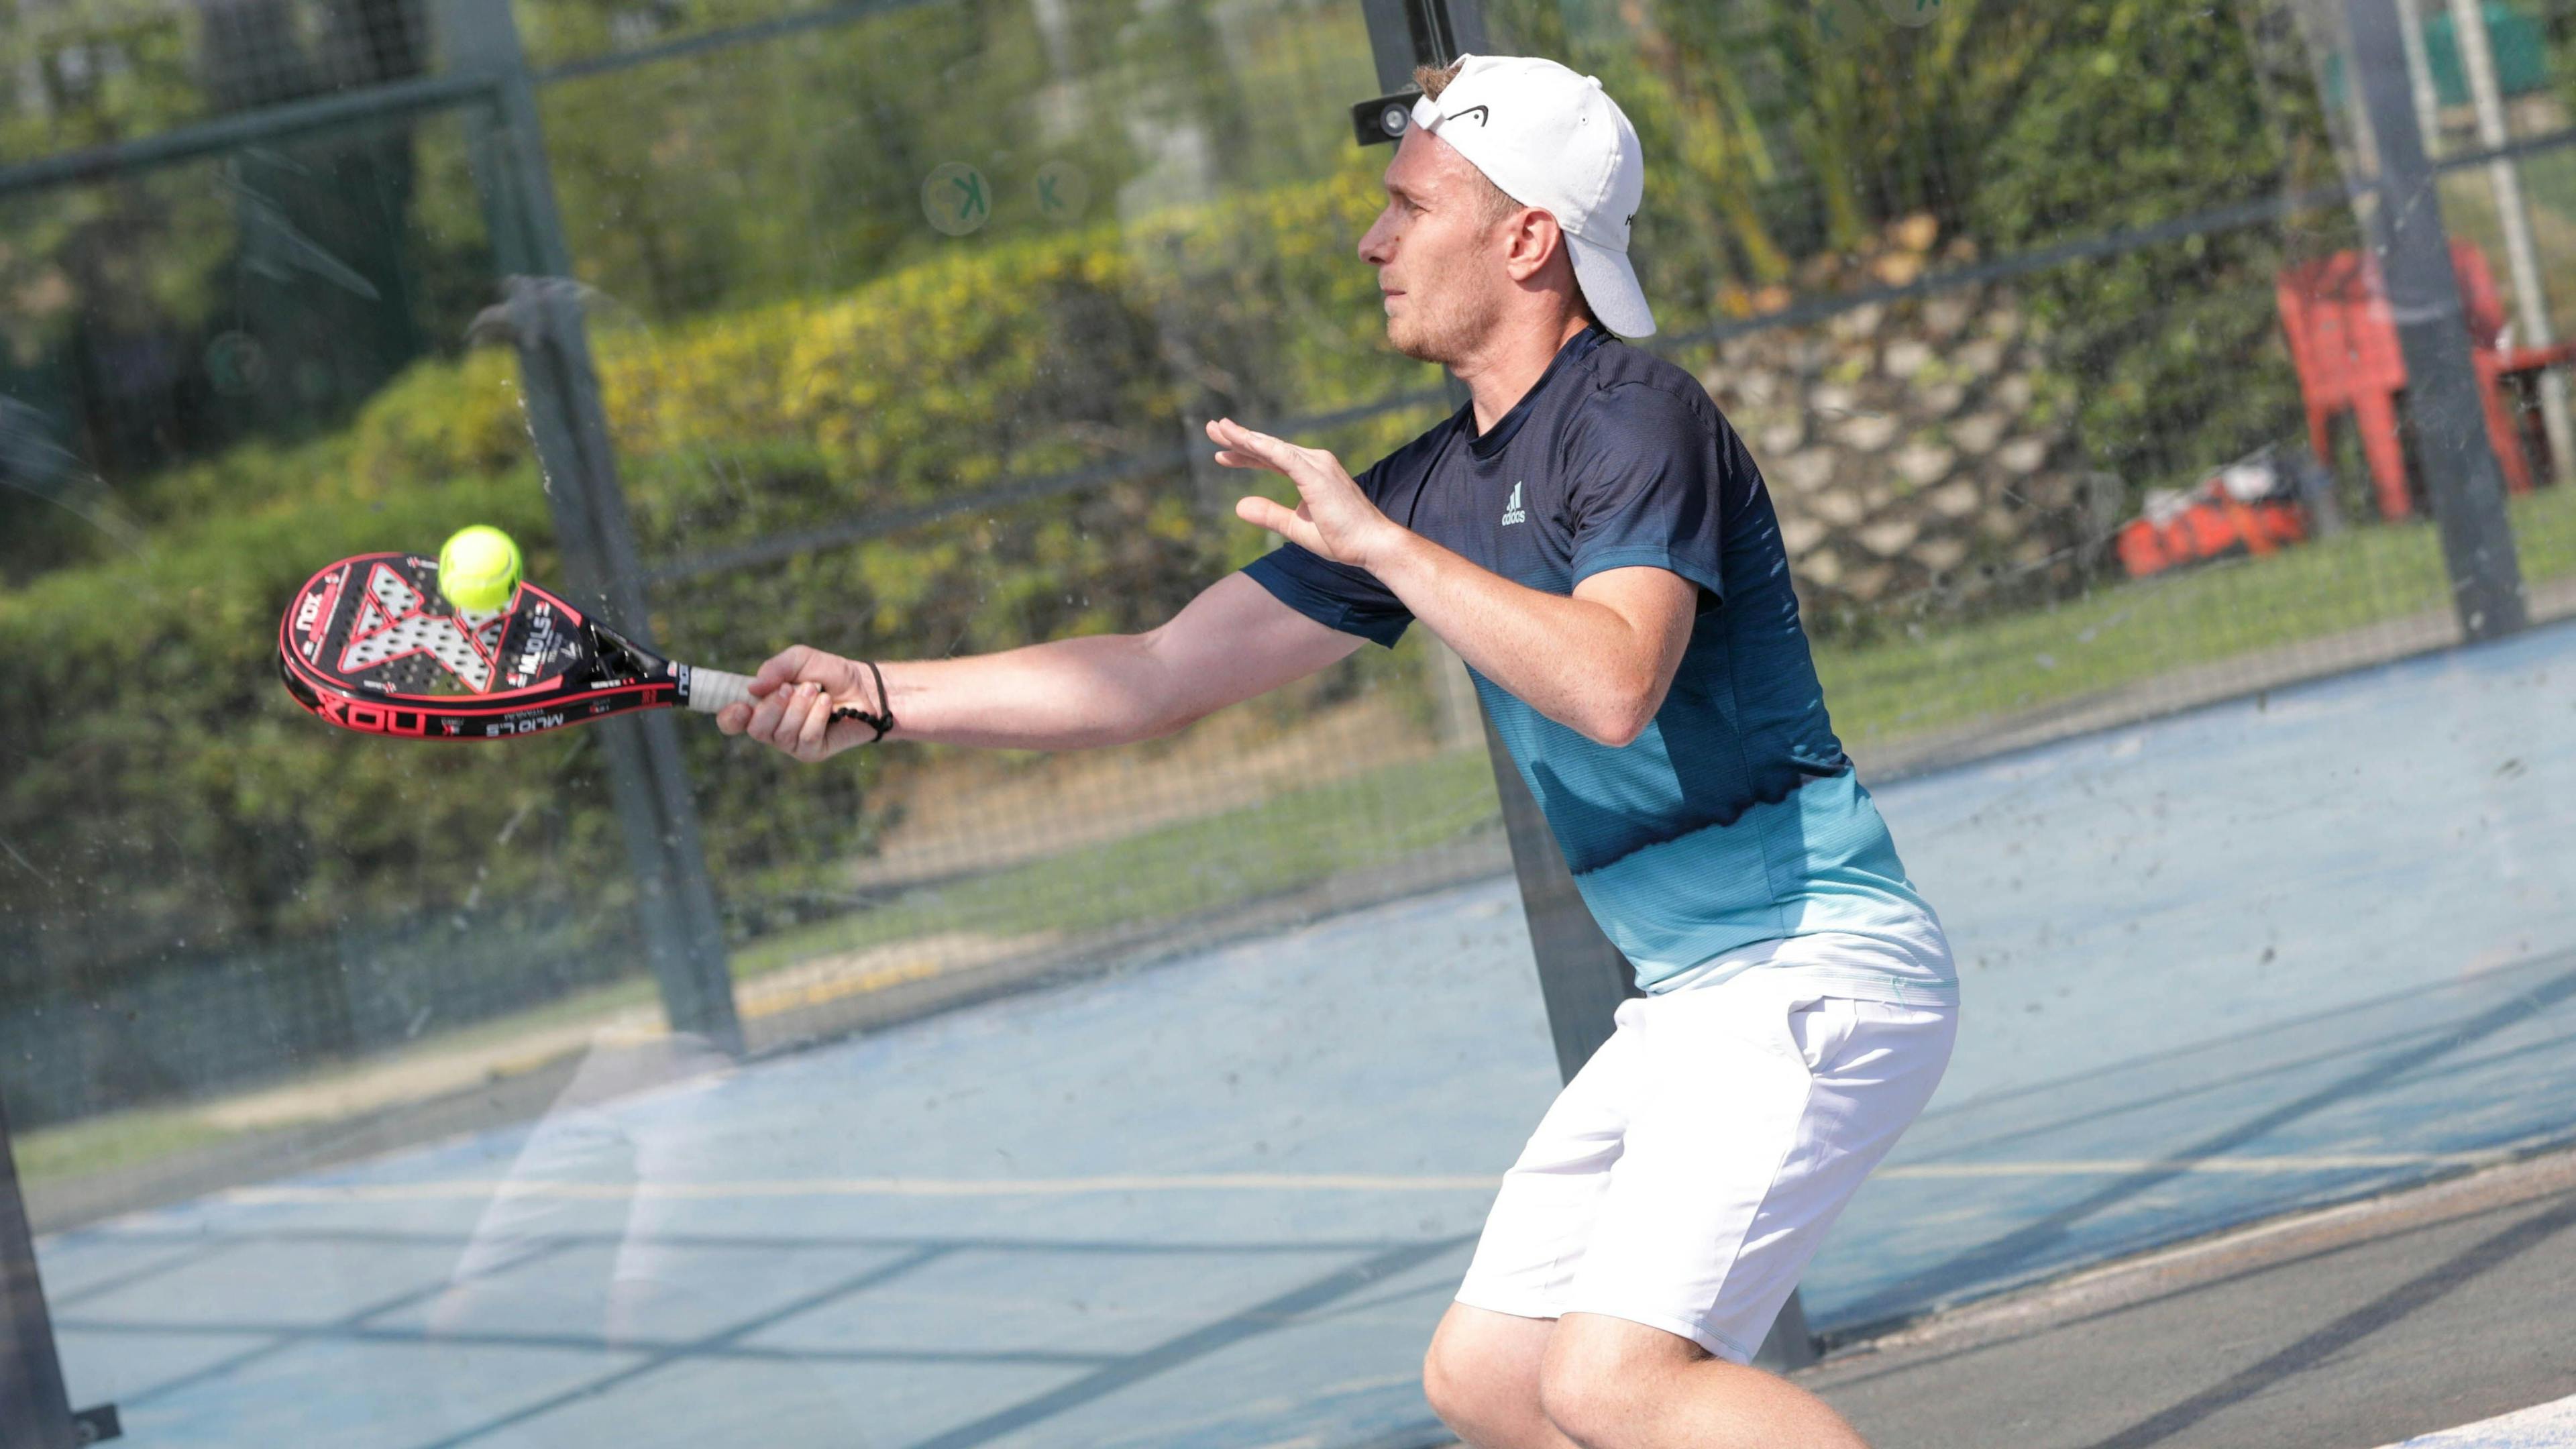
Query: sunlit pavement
[2404,1315]
[2544,1426]
[2270,953]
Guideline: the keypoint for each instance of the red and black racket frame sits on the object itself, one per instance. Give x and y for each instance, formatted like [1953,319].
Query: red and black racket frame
[589,672]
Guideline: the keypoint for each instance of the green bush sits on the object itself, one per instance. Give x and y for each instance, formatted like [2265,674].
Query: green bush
[2138,112]
[985,367]
[156,765]
[161,767]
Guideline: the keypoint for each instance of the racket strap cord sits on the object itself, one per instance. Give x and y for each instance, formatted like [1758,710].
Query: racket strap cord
[883,720]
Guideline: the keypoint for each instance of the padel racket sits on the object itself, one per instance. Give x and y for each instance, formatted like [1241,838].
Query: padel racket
[369,644]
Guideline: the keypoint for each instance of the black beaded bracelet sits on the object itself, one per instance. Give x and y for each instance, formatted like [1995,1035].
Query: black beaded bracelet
[883,720]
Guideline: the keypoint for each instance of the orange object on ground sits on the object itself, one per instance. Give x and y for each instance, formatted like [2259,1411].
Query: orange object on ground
[2207,527]
[2343,341]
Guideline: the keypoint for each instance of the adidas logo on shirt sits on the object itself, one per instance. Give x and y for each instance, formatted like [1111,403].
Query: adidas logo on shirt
[1512,511]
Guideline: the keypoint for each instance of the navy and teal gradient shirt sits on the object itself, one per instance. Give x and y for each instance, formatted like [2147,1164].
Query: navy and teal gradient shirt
[1735,817]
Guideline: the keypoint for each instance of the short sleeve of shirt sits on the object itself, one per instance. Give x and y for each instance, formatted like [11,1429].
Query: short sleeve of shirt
[1334,595]
[1647,479]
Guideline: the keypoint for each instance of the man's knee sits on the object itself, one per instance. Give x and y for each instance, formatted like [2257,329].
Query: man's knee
[1450,1385]
[1603,1380]
[1610,1384]
[1581,1403]
[1480,1372]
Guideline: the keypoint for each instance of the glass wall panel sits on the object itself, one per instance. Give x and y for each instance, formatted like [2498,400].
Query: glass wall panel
[1141,1094]
[378,1091]
[2142,632]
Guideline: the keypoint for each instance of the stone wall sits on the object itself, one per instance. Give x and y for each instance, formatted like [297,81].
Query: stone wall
[1919,455]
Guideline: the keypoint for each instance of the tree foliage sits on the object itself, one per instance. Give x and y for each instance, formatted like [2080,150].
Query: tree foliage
[784,346]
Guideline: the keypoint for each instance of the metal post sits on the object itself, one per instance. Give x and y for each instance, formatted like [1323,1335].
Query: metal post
[1407,33]
[1581,976]
[1454,708]
[1391,42]
[2522,253]
[35,1412]
[2419,76]
[683,935]
[2442,397]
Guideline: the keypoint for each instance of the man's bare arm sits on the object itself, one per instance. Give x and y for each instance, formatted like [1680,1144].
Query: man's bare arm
[1230,643]
[1598,662]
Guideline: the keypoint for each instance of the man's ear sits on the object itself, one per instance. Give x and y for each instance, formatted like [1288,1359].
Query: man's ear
[1535,237]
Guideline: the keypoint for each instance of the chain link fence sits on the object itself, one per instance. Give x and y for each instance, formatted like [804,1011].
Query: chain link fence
[906,317]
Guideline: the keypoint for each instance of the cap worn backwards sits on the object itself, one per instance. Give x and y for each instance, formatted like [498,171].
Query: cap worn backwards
[1555,140]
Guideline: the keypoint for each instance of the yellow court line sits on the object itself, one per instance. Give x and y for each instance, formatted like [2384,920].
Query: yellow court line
[755,1000]
[758,1003]
[1272,1182]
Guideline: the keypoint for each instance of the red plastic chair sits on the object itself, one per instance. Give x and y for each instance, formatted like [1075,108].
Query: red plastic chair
[2344,344]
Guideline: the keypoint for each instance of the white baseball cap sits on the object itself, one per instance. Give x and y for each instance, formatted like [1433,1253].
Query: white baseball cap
[1556,141]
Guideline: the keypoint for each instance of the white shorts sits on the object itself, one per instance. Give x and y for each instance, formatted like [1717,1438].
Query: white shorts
[1688,1173]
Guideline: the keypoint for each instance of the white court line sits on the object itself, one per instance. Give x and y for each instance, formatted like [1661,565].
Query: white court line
[455,1190]
[862,1187]
[2543,1426]
[2094,1166]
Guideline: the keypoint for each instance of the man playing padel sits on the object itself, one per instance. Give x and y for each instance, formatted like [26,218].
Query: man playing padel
[1591,536]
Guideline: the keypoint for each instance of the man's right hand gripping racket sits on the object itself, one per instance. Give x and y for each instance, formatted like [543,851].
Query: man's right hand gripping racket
[369,644]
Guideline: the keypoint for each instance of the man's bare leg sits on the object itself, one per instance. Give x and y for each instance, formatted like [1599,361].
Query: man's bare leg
[1607,1383]
[1482,1377]
[1592,1382]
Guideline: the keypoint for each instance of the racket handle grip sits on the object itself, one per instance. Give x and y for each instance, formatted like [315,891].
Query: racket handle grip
[710,690]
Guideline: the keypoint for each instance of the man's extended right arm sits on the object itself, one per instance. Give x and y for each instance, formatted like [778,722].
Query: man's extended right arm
[1230,643]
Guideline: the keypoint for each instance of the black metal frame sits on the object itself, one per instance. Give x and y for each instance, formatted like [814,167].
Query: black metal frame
[35,1409]
[682,931]
[2461,472]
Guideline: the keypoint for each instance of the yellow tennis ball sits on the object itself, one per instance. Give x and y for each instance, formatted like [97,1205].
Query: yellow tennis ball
[478,569]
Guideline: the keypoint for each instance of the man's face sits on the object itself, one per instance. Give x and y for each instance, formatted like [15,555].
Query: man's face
[1439,252]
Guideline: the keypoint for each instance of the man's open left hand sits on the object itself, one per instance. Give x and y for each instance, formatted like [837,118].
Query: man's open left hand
[1333,518]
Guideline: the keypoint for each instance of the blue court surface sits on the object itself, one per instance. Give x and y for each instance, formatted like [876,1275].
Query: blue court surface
[2273,952]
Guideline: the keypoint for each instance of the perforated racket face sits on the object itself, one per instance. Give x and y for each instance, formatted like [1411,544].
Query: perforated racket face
[369,644]
[385,625]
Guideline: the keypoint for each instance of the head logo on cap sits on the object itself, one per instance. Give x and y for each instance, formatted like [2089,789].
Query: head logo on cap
[1563,146]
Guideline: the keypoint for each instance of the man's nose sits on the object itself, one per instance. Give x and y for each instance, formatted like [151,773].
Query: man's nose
[1375,245]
